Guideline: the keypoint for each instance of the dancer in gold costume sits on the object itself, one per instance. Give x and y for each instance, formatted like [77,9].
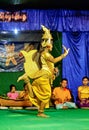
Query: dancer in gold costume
[42,73]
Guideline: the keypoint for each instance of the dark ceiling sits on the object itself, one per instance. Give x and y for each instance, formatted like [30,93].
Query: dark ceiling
[44,4]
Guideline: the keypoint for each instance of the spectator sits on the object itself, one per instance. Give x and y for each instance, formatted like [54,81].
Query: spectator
[12,94]
[24,95]
[62,96]
[83,93]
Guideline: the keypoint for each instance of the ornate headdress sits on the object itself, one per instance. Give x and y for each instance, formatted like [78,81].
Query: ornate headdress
[46,36]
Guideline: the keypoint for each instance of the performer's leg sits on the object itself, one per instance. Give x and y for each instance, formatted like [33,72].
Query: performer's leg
[41,110]
[27,81]
[30,90]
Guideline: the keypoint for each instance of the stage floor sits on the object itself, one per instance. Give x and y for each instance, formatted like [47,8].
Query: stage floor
[71,119]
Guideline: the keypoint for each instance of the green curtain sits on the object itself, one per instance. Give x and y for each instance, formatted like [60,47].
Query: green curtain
[57,50]
[8,78]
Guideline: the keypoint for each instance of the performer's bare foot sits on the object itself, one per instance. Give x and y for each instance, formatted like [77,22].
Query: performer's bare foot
[42,115]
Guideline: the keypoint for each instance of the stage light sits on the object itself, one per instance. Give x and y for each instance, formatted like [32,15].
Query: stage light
[15,31]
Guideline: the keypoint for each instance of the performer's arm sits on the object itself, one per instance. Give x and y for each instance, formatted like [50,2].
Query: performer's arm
[59,58]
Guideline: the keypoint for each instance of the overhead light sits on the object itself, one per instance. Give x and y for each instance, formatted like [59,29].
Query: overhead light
[16,31]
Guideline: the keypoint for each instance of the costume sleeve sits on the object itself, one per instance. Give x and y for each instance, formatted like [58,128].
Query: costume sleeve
[48,56]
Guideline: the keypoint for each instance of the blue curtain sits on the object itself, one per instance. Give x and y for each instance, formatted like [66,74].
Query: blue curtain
[55,19]
[76,64]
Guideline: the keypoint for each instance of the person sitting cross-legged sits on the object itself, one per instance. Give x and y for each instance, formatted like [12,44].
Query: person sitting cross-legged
[62,96]
[83,93]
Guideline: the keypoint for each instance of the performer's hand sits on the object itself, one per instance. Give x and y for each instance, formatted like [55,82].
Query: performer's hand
[66,51]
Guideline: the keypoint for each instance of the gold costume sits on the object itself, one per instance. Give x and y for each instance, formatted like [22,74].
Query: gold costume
[42,78]
[42,81]
[42,74]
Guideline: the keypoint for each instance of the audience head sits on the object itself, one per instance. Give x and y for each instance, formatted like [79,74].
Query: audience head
[12,88]
[85,80]
[64,83]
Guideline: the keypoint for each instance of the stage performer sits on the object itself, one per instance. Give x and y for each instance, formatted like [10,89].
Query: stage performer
[39,66]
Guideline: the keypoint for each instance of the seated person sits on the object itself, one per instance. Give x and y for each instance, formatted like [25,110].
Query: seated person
[14,100]
[62,97]
[12,94]
[24,95]
[83,93]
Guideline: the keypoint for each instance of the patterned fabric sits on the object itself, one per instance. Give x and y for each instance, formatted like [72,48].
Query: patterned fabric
[83,103]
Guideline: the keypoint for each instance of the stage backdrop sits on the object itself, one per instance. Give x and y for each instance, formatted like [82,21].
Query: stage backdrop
[12,62]
[74,25]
